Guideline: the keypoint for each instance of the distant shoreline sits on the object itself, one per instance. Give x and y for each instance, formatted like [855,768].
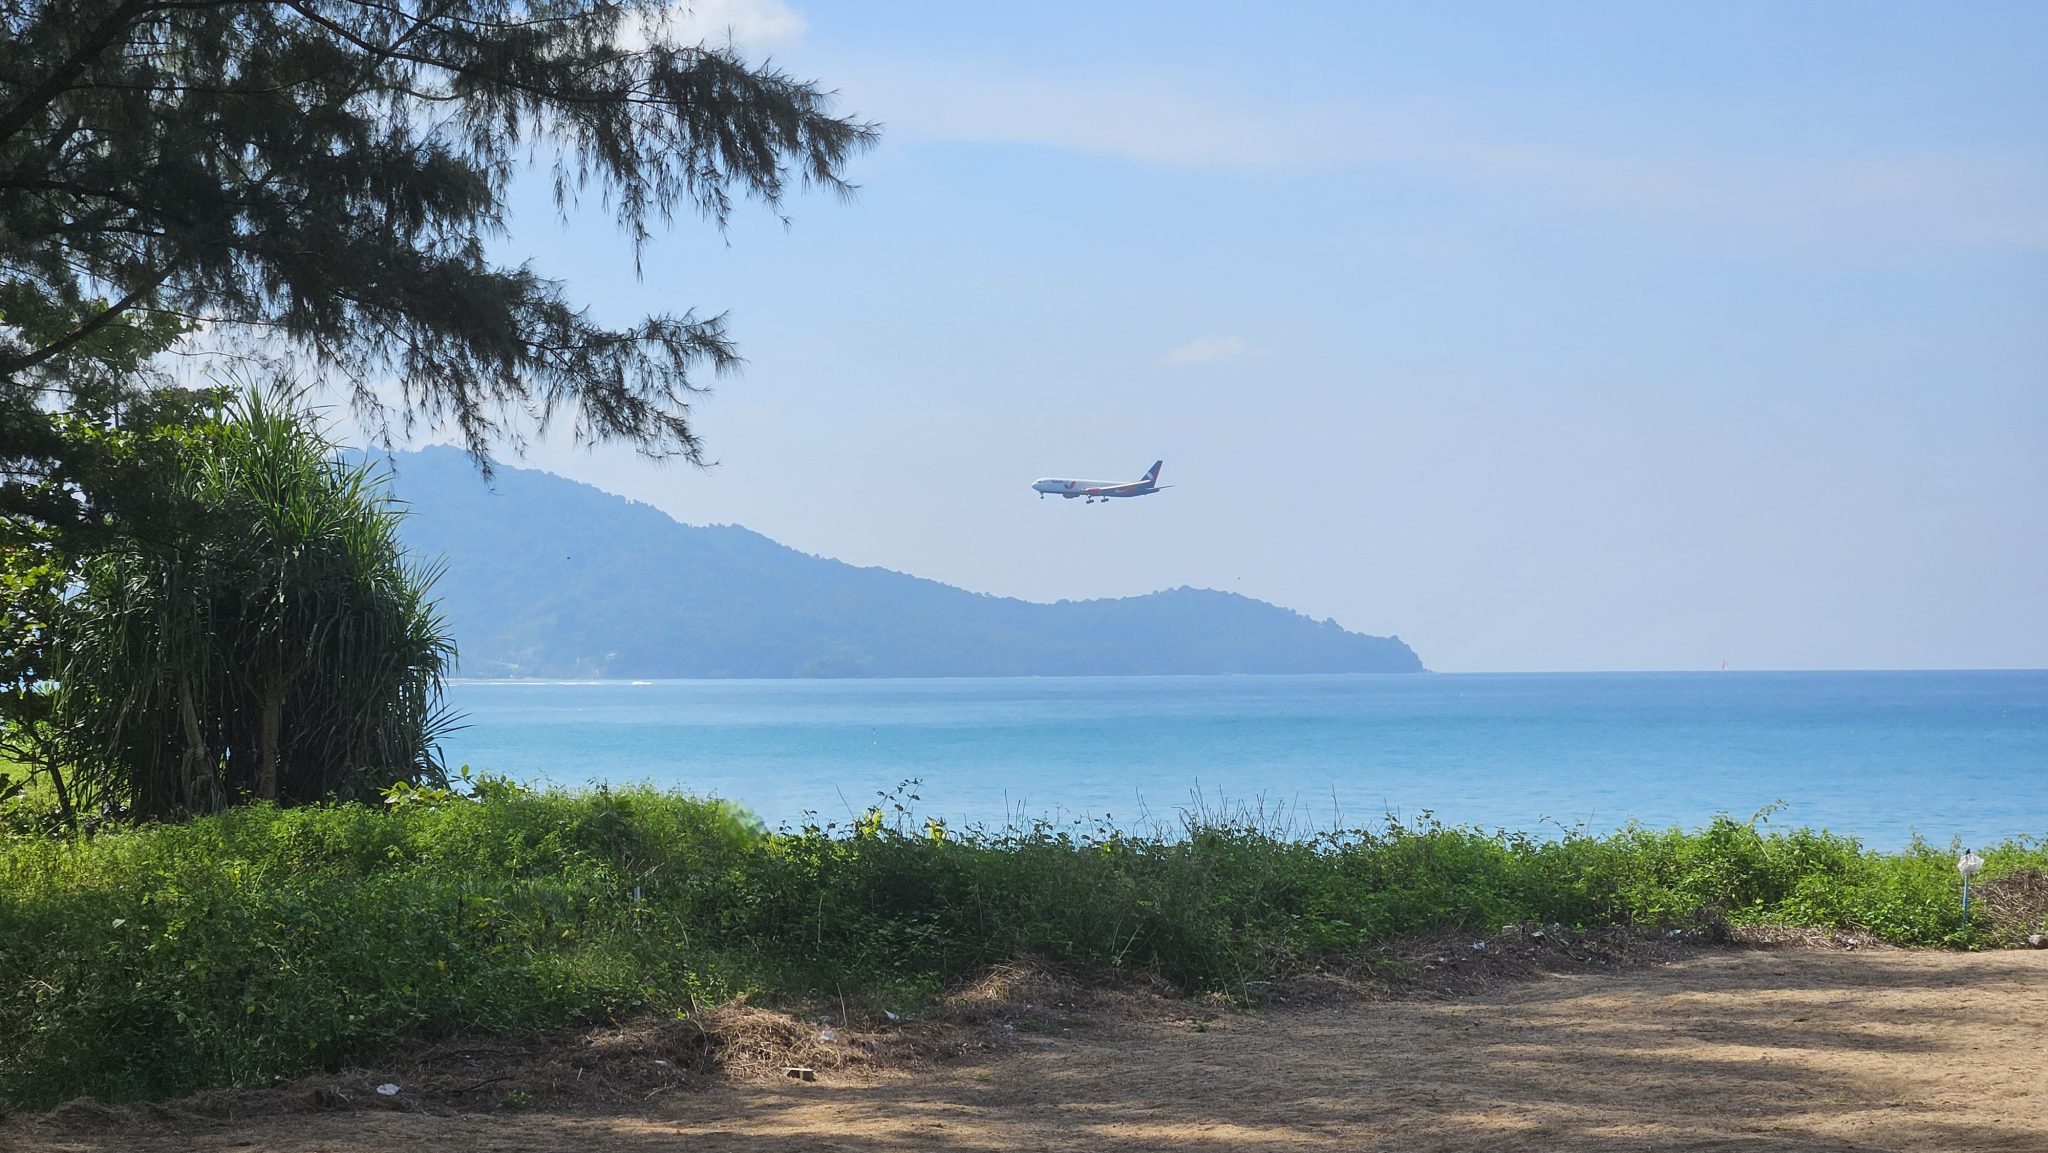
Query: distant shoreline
[1453,673]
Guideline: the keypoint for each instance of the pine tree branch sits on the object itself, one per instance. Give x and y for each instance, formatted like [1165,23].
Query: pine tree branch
[99,320]
[40,96]
[64,77]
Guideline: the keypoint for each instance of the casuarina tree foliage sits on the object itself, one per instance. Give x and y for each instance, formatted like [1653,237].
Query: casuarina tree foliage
[318,179]
[280,647]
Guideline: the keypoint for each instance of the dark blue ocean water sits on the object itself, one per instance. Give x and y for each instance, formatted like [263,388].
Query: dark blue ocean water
[1879,755]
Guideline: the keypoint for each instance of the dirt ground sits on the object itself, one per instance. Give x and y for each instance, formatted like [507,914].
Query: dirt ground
[1718,1049]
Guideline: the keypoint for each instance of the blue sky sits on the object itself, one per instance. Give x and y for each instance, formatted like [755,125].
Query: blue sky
[1546,337]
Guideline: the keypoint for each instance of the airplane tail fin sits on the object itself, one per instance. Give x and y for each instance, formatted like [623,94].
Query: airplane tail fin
[1152,477]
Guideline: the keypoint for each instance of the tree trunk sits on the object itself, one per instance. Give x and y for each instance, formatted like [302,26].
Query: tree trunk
[195,771]
[64,809]
[273,729]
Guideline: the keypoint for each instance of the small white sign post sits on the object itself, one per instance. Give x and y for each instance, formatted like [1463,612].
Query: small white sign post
[1968,865]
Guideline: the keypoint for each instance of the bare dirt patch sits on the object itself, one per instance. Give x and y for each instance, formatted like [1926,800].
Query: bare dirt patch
[1643,1046]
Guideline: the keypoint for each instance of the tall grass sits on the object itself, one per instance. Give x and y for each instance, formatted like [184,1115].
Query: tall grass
[262,942]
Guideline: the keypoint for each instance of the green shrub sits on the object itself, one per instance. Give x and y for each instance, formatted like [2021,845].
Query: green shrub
[261,942]
[277,643]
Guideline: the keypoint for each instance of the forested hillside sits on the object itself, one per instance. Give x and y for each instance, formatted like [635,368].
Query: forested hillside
[551,578]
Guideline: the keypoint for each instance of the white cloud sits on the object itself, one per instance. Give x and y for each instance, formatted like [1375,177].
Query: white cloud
[1157,120]
[1206,350]
[754,26]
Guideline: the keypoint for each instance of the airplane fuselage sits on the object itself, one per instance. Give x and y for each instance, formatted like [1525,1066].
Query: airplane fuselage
[1098,488]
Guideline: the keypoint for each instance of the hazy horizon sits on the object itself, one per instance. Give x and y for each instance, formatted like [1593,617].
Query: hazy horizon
[1600,339]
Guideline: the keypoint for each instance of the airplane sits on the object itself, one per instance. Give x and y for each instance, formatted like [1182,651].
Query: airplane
[1101,490]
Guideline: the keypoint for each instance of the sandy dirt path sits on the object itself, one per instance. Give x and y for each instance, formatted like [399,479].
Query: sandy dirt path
[1783,1049]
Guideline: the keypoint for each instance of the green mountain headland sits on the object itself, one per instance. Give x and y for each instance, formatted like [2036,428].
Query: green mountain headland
[547,577]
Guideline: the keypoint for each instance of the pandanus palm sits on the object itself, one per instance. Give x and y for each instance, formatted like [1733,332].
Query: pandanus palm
[281,647]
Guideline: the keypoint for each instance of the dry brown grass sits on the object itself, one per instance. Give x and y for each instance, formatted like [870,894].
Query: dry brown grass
[2013,906]
[1604,1044]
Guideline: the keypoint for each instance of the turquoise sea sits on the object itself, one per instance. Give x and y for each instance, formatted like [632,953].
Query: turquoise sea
[1879,755]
